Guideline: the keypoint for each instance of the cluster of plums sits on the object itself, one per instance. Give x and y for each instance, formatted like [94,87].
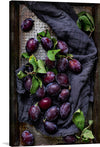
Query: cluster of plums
[55,86]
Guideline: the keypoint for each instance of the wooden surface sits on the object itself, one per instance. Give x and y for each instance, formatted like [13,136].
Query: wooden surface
[96,106]
[19,38]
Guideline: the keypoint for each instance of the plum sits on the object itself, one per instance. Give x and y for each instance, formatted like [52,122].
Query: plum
[31,45]
[63,46]
[47,43]
[27,24]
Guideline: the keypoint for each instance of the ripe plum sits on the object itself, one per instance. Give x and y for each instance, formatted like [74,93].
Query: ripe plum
[63,46]
[75,66]
[53,89]
[52,113]
[49,77]
[62,64]
[27,138]
[27,25]
[45,103]
[65,110]
[46,43]
[31,45]
[50,127]
[62,79]
[34,112]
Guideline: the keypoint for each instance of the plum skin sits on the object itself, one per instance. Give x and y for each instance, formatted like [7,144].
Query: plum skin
[34,112]
[50,127]
[52,113]
[50,64]
[40,93]
[64,95]
[45,103]
[27,138]
[47,43]
[75,66]
[53,89]
[31,45]
[27,24]
[65,110]
[62,64]
[27,82]
[48,77]
[62,79]
[70,139]
[63,46]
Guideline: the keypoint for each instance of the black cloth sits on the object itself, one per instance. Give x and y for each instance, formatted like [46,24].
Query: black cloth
[62,19]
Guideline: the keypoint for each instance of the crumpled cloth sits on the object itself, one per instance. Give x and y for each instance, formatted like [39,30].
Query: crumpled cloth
[62,19]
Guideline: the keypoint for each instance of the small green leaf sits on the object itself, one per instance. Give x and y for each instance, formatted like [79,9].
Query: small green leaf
[48,34]
[35,85]
[39,38]
[41,67]
[87,134]
[40,81]
[69,56]
[91,19]
[25,55]
[42,34]
[54,70]
[78,137]
[79,119]
[32,60]
[85,22]
[79,24]
[85,140]
[21,75]
[52,53]
[54,43]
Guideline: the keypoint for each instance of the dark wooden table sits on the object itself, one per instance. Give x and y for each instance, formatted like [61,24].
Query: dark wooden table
[17,45]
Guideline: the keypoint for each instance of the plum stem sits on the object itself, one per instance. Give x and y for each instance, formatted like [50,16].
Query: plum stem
[69,87]
[90,34]
[44,120]
[36,104]
[29,73]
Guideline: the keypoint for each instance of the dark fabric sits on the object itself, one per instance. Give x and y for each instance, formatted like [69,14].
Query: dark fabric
[62,19]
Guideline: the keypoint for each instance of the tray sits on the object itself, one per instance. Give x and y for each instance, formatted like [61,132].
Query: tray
[18,12]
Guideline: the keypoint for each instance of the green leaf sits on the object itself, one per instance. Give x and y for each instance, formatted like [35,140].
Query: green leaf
[85,21]
[35,85]
[79,24]
[32,60]
[54,42]
[21,75]
[81,13]
[79,119]
[40,81]
[41,67]
[48,34]
[87,134]
[39,38]
[54,70]
[25,55]
[91,19]
[85,140]
[40,35]
[69,56]
[52,53]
